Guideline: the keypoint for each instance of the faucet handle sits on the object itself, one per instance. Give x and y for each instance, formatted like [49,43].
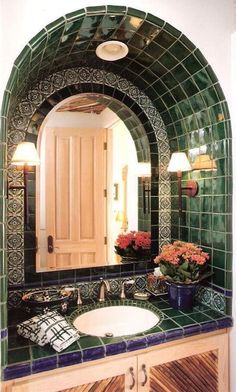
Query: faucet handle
[74,290]
[125,282]
[79,299]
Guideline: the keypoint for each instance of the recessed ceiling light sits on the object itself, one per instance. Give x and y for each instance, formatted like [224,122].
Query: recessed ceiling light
[112,50]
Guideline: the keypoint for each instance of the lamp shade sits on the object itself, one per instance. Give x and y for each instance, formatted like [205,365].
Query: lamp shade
[179,162]
[25,155]
[144,169]
[204,162]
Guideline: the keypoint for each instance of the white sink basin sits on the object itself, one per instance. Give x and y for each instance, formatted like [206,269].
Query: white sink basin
[116,321]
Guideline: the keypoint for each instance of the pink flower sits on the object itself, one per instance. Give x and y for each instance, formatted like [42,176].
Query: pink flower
[180,251]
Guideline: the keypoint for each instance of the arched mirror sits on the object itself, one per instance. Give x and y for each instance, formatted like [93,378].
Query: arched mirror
[90,183]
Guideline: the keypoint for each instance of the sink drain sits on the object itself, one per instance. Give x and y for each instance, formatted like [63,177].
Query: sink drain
[109,334]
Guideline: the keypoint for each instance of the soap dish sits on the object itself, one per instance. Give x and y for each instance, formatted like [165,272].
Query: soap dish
[141,295]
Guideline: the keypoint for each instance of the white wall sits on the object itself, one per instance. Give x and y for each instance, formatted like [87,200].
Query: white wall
[207,23]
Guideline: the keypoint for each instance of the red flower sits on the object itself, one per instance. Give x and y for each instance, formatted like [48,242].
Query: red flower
[134,239]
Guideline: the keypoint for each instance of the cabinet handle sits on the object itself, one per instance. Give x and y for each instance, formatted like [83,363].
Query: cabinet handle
[131,369]
[145,375]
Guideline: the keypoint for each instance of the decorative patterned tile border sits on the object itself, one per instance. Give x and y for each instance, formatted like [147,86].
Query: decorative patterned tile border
[211,298]
[19,124]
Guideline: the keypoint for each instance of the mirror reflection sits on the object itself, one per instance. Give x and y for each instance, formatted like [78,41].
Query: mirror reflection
[90,187]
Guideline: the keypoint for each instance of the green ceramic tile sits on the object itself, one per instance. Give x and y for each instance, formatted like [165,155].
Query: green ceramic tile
[219,277]
[18,355]
[165,39]
[169,80]
[195,204]
[97,9]
[229,283]
[194,220]
[192,64]
[38,352]
[180,73]
[195,236]
[3,314]
[219,185]
[214,314]
[168,61]
[155,20]
[134,12]
[179,50]
[228,261]
[219,240]
[171,312]
[168,324]
[200,317]
[148,30]
[206,237]
[206,221]
[3,289]
[178,93]
[154,50]
[229,306]
[3,264]
[172,30]
[197,102]
[59,23]
[218,258]
[3,353]
[210,96]
[89,341]
[211,74]
[219,222]
[184,321]
[202,80]
[73,347]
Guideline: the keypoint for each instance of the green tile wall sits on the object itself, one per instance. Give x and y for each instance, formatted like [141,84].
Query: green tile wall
[178,79]
[174,74]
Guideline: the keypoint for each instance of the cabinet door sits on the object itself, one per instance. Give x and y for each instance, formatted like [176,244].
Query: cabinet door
[197,366]
[113,375]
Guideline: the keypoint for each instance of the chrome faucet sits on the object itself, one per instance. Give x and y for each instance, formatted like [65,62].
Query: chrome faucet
[125,282]
[103,288]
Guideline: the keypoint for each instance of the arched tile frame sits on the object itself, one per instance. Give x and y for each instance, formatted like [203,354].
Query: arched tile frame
[19,124]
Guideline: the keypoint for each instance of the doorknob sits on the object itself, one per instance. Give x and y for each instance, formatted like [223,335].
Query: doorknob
[145,375]
[50,244]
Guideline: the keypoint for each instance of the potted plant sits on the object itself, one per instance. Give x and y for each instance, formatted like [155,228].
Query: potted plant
[182,265]
[134,245]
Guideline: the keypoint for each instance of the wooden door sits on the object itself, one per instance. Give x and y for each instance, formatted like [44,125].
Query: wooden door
[198,366]
[75,205]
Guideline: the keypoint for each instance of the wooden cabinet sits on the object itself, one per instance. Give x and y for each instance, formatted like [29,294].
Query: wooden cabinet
[193,366]
[196,364]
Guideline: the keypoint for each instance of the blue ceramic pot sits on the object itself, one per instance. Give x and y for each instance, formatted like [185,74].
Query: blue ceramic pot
[181,296]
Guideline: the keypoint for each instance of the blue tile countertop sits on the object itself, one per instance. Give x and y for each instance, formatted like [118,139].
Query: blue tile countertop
[26,358]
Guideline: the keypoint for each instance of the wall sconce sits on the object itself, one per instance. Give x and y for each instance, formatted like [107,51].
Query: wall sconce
[144,172]
[25,156]
[204,162]
[179,163]
[122,218]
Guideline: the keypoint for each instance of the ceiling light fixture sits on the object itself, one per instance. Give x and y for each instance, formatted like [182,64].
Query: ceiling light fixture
[112,50]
